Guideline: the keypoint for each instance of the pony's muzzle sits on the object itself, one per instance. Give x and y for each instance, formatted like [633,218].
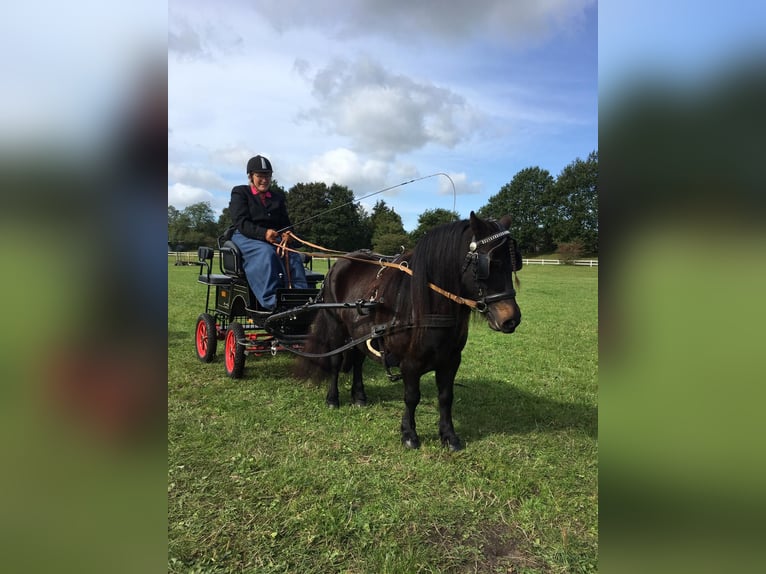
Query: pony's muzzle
[509,326]
[504,317]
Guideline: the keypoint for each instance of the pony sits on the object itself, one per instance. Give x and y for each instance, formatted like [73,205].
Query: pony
[412,314]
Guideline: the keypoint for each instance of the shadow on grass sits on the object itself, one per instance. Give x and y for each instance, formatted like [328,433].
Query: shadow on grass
[488,406]
[485,407]
[482,407]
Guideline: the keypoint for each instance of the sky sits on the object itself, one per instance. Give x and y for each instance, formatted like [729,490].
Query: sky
[373,93]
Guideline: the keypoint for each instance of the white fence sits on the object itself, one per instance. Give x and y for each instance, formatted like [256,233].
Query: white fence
[585,262]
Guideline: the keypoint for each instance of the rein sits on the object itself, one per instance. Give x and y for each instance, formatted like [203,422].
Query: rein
[479,305]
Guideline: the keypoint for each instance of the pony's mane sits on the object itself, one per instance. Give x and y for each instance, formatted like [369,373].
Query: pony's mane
[437,258]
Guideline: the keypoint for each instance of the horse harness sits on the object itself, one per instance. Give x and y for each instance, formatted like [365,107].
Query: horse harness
[480,264]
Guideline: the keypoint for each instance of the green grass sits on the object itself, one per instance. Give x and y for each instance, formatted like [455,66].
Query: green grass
[262,477]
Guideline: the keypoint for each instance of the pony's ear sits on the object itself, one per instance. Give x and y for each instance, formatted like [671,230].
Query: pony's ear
[505,221]
[476,223]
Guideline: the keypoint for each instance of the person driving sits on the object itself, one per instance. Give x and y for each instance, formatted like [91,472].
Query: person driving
[257,211]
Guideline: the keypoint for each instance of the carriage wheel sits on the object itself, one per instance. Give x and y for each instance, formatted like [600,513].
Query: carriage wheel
[206,338]
[234,353]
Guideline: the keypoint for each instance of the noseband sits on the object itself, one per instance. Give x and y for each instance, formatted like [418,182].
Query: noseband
[480,263]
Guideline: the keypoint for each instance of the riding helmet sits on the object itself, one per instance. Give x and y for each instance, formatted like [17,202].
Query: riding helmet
[259,164]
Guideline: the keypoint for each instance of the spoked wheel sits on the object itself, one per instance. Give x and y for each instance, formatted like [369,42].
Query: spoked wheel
[234,353]
[206,338]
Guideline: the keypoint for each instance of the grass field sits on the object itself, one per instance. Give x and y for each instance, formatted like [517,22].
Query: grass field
[262,477]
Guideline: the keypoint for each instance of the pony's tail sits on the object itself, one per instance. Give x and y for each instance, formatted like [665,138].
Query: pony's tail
[322,334]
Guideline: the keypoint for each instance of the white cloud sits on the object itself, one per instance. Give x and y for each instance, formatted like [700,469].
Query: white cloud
[185,40]
[181,195]
[202,38]
[462,185]
[194,177]
[386,114]
[344,167]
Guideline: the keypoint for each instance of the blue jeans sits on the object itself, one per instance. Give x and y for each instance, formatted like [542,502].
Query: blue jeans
[265,270]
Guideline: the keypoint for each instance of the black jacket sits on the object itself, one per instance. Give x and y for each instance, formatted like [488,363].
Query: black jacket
[252,218]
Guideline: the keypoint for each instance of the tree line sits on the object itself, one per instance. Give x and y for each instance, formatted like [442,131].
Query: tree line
[549,214]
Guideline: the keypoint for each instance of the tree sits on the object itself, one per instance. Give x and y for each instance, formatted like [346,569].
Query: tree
[204,229]
[224,220]
[173,215]
[527,199]
[192,227]
[328,216]
[306,202]
[388,234]
[576,201]
[179,226]
[429,219]
[350,231]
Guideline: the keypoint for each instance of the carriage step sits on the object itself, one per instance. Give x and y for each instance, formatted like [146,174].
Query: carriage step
[215,279]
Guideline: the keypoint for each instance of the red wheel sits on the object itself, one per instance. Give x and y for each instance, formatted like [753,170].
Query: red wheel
[234,353]
[206,338]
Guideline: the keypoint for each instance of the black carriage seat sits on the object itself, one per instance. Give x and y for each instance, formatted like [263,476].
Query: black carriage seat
[231,259]
[205,256]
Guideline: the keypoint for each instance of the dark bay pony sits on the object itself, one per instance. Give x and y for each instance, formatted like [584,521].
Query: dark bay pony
[414,327]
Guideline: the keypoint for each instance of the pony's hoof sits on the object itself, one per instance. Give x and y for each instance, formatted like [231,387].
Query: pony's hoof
[360,403]
[454,445]
[331,405]
[411,443]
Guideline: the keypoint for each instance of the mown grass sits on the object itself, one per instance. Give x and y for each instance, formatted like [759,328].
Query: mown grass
[262,477]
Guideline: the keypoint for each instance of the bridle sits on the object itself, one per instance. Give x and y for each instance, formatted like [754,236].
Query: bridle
[479,262]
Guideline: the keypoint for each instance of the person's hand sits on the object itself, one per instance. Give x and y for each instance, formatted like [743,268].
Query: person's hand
[272,236]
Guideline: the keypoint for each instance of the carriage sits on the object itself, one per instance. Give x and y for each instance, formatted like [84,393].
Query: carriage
[235,317]
[409,313]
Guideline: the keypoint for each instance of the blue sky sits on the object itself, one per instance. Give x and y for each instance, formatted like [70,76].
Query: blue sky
[369,94]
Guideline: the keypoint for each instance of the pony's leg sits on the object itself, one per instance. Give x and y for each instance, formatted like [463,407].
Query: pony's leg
[445,382]
[411,399]
[358,396]
[333,399]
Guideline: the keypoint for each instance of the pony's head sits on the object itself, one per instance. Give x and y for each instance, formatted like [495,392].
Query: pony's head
[470,259]
[488,272]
